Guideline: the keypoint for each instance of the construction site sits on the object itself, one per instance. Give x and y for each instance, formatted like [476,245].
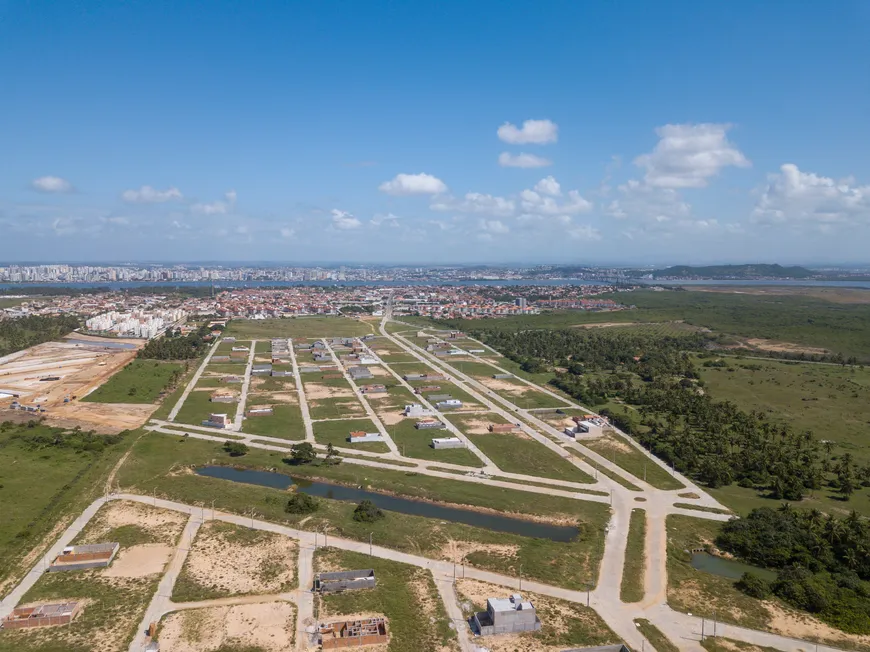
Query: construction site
[48,379]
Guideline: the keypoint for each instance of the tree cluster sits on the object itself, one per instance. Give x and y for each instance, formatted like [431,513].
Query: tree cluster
[174,346]
[24,332]
[822,561]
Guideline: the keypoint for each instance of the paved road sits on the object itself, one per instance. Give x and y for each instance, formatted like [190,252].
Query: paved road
[300,390]
[304,596]
[243,397]
[682,629]
[193,381]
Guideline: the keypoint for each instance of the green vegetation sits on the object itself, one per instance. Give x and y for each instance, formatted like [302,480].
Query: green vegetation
[46,475]
[822,561]
[336,408]
[337,433]
[517,453]
[300,503]
[24,332]
[405,594]
[418,444]
[156,458]
[632,588]
[367,512]
[235,448]
[762,271]
[720,644]
[653,634]
[297,327]
[174,346]
[138,382]
[197,406]
[704,594]
[285,422]
[615,448]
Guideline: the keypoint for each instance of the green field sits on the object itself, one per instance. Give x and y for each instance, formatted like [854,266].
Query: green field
[517,453]
[155,459]
[615,448]
[299,327]
[632,588]
[284,422]
[336,408]
[45,478]
[337,432]
[197,406]
[418,444]
[404,594]
[140,381]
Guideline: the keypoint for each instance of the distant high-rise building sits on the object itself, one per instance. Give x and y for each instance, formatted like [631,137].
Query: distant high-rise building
[521,302]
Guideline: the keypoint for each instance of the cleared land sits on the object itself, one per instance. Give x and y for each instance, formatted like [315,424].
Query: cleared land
[418,444]
[337,432]
[227,560]
[260,627]
[141,381]
[406,595]
[618,450]
[563,624]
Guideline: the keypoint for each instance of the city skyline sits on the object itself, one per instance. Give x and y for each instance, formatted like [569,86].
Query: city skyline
[411,136]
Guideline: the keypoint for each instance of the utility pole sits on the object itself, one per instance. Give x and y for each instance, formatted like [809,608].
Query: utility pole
[370,543]
[521,577]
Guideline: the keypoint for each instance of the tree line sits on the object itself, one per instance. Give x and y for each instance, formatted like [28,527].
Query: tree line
[175,346]
[24,332]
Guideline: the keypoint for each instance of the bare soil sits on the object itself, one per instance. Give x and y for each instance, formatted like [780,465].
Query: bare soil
[505,386]
[804,626]
[783,347]
[140,561]
[162,524]
[269,626]
[456,551]
[315,391]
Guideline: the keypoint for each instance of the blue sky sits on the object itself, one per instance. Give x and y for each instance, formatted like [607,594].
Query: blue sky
[583,132]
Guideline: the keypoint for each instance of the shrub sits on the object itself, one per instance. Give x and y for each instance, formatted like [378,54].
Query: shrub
[753,586]
[301,454]
[301,503]
[235,448]
[367,512]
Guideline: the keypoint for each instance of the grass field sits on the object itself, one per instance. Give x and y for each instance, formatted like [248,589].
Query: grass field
[517,453]
[405,594]
[622,453]
[155,458]
[654,635]
[418,444]
[336,408]
[43,481]
[631,589]
[140,381]
[337,432]
[197,406]
[284,422]
[298,327]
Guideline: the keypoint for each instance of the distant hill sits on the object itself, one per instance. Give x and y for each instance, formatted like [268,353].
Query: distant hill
[747,272]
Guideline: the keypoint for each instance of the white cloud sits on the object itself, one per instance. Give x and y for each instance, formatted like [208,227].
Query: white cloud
[219,207]
[119,219]
[584,232]
[687,155]
[494,226]
[287,232]
[385,220]
[149,195]
[475,202]
[535,203]
[548,186]
[639,200]
[51,184]
[792,196]
[344,221]
[507,160]
[413,184]
[539,132]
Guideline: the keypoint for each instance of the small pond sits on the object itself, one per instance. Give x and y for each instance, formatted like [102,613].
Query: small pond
[730,568]
[561,533]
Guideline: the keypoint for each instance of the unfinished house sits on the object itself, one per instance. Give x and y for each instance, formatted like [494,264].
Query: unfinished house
[72,558]
[222,398]
[261,411]
[506,616]
[43,615]
[217,421]
[447,442]
[504,427]
[425,424]
[344,581]
[353,633]
[361,437]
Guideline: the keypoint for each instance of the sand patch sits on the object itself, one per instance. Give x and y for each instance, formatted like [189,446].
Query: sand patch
[612,443]
[139,561]
[163,525]
[269,625]
[456,551]
[237,561]
[501,385]
[377,370]
[317,391]
[475,426]
[391,418]
[784,347]
[804,626]
[557,616]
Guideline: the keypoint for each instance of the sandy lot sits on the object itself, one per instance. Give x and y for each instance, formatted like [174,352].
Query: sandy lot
[391,418]
[456,551]
[163,525]
[474,426]
[783,347]
[377,370]
[803,626]
[556,616]
[225,558]
[505,386]
[611,443]
[140,561]
[315,391]
[269,625]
